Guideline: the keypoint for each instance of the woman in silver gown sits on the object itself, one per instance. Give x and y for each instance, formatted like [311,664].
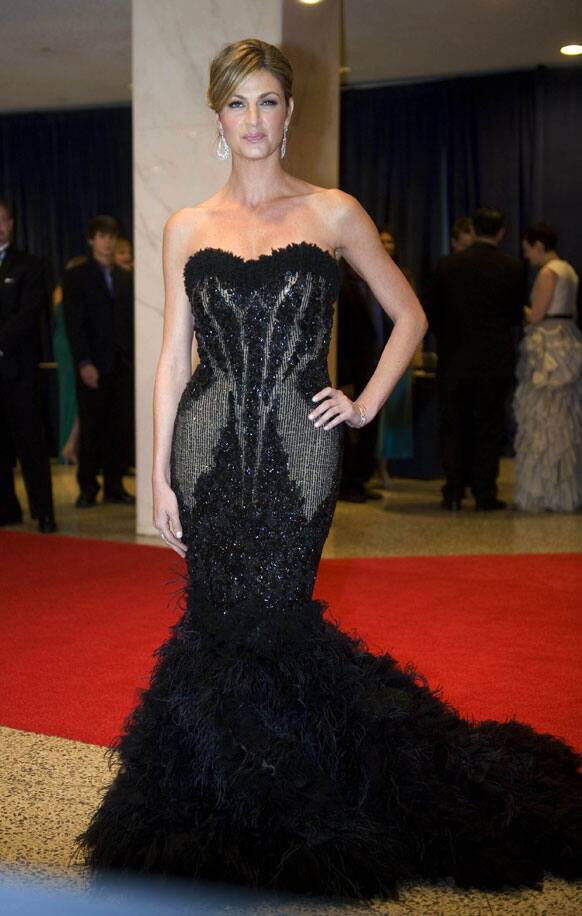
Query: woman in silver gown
[271,748]
[548,397]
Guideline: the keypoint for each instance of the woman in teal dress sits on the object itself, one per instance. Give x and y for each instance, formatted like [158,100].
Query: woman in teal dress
[68,415]
[395,427]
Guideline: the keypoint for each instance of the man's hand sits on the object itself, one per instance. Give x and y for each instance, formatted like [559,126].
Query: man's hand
[90,375]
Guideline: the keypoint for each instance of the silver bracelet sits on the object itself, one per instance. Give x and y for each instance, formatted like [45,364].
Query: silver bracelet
[363,415]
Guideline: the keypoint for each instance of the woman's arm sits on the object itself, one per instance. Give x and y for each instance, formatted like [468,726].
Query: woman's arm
[173,372]
[541,295]
[359,243]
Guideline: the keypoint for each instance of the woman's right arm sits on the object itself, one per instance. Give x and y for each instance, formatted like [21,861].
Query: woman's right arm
[173,373]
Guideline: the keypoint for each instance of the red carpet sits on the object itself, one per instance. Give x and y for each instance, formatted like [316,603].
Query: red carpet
[79,621]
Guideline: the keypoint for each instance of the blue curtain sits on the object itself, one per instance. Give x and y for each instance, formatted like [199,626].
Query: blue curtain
[419,156]
[60,168]
[392,159]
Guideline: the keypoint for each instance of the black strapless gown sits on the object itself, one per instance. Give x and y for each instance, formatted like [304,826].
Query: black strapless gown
[272,749]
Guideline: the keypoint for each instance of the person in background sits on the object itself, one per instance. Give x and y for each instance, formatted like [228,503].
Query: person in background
[462,237]
[361,339]
[23,297]
[98,308]
[123,255]
[462,234]
[395,420]
[548,397]
[476,298]
[68,411]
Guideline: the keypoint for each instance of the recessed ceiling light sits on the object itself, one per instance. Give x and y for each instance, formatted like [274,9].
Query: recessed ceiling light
[309,2]
[571,50]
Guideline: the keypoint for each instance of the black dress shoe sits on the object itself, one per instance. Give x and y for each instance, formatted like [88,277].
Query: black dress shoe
[47,524]
[85,499]
[119,496]
[490,505]
[452,503]
[372,494]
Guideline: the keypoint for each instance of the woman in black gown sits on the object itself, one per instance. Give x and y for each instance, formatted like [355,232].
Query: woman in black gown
[271,748]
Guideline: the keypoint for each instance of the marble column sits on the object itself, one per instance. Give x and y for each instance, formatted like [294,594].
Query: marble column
[174,141]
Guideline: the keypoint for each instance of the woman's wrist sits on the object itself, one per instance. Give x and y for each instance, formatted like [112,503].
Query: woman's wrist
[361,415]
[160,477]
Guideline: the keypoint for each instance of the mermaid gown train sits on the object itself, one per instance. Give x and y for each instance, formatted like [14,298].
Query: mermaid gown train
[271,748]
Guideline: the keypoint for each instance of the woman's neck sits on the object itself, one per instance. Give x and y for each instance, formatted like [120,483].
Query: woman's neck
[253,183]
[549,256]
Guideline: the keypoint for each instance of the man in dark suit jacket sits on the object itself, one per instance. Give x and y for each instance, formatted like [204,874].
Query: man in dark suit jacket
[477,296]
[98,309]
[23,297]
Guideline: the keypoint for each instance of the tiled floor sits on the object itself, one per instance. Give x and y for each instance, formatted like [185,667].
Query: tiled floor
[49,786]
[406,521]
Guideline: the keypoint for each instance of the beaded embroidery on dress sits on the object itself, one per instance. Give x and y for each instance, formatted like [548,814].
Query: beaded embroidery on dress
[271,748]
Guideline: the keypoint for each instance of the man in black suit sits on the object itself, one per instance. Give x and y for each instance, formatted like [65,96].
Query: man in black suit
[98,309]
[477,296]
[23,297]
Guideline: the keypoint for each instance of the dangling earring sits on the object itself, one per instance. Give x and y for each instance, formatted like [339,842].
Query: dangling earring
[223,149]
[284,142]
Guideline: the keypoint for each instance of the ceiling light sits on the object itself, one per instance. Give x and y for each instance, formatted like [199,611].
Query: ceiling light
[571,50]
[309,2]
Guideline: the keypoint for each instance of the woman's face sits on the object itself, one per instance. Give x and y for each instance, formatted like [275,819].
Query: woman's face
[388,242]
[255,115]
[123,255]
[533,253]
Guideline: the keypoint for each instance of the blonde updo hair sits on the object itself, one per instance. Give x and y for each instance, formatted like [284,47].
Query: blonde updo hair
[237,61]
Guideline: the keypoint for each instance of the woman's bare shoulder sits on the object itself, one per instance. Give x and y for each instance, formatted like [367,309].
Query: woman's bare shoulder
[320,196]
[338,211]
[184,225]
[331,203]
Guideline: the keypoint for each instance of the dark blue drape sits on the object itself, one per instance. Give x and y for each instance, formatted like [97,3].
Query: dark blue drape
[419,156]
[60,168]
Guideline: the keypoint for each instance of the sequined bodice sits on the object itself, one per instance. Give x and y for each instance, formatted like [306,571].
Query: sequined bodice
[245,455]
[274,311]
